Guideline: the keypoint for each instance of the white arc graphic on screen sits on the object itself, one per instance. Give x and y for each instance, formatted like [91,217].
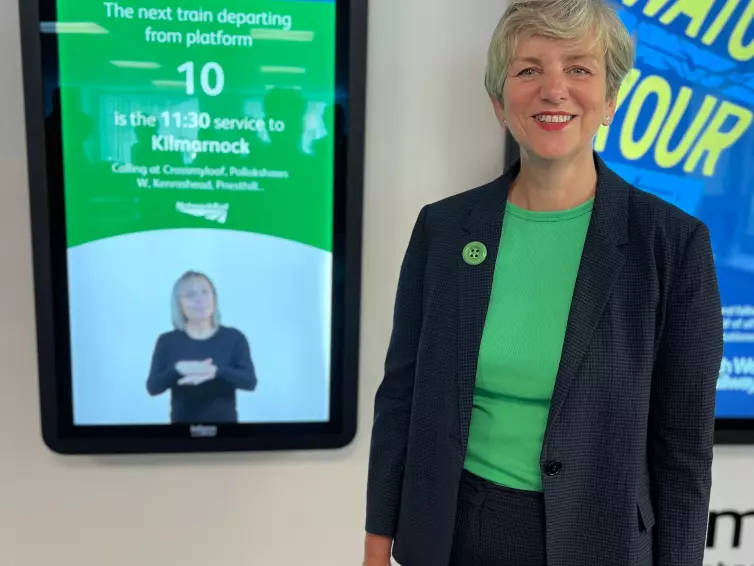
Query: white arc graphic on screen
[215,211]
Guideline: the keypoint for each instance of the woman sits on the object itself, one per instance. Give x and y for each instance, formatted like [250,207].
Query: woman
[549,387]
[200,361]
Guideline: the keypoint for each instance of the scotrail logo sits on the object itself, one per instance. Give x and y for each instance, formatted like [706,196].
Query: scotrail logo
[211,211]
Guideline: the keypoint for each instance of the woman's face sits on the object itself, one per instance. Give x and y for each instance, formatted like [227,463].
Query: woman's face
[555,97]
[197,300]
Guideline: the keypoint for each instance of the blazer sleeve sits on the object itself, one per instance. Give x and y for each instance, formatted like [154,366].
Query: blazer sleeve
[682,407]
[392,406]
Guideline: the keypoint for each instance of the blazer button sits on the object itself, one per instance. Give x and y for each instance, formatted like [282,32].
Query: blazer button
[553,468]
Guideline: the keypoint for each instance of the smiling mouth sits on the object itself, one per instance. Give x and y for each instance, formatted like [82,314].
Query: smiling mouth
[554,118]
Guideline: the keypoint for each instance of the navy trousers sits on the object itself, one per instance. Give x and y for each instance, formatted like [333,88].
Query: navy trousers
[498,526]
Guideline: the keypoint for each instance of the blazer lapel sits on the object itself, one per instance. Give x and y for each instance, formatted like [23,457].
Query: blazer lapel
[600,266]
[601,263]
[483,224]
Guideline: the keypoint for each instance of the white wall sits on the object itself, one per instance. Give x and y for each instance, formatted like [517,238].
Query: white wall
[431,133]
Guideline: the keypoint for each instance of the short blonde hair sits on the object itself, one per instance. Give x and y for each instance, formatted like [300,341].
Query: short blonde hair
[560,19]
[179,319]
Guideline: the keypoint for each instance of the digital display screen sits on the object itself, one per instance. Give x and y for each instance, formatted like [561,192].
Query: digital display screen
[195,159]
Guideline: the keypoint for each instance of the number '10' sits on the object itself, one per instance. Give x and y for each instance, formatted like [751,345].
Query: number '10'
[211,85]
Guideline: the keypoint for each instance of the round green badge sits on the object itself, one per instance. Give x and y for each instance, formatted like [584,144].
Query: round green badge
[474,253]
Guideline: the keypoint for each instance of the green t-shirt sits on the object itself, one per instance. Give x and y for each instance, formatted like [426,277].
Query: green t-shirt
[522,342]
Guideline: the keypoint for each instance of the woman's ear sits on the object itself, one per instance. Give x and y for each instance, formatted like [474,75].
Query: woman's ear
[610,113]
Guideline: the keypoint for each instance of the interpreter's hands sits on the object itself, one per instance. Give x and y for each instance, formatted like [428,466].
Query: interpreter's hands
[187,367]
[196,373]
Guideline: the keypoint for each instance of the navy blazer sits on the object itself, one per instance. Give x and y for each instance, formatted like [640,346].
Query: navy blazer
[627,454]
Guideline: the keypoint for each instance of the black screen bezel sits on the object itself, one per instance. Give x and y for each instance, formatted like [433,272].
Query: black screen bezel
[51,287]
[727,431]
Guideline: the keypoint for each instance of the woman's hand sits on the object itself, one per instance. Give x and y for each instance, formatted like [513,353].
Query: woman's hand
[377,550]
[193,367]
[196,373]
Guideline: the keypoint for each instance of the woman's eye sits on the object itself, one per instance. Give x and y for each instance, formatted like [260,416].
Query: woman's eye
[580,71]
[527,72]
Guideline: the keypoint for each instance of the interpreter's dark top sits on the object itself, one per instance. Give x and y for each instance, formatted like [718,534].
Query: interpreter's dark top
[213,401]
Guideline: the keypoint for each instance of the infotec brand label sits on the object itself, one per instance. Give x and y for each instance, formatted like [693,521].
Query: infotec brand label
[683,131]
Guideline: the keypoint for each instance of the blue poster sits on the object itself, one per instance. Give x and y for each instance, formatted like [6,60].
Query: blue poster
[683,131]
